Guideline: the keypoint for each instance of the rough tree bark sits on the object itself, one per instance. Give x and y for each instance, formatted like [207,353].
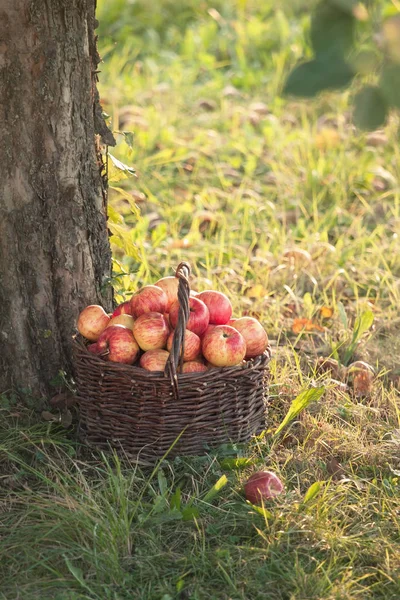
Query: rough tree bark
[54,249]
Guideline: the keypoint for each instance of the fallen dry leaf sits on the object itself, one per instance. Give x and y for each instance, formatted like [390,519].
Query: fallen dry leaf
[230,91]
[260,108]
[208,105]
[290,310]
[332,366]
[66,418]
[326,312]
[63,400]
[48,416]
[257,291]
[360,365]
[335,469]
[300,325]
[183,243]
[377,138]
[338,385]
[297,256]
[362,383]
[327,138]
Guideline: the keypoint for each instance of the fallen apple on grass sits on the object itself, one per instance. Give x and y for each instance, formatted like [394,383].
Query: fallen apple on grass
[117,344]
[92,321]
[223,346]
[262,485]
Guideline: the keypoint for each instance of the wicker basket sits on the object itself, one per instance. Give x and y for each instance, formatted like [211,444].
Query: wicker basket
[143,413]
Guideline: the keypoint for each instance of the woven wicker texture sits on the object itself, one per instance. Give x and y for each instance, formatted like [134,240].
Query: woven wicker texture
[143,412]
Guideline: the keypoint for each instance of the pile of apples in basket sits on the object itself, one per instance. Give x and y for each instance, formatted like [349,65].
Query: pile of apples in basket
[141,330]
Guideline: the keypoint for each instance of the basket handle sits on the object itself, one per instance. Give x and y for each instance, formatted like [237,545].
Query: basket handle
[175,359]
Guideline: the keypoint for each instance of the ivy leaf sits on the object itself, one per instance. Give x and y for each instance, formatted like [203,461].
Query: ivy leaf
[323,73]
[127,196]
[128,136]
[117,170]
[370,108]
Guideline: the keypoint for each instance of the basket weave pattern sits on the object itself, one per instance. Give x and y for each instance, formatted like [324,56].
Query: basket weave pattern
[144,412]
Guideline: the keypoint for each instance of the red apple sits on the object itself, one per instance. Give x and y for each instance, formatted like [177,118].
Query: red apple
[151,331]
[122,309]
[117,344]
[150,298]
[223,346]
[232,322]
[218,305]
[166,317]
[193,366]
[254,334]
[198,319]
[170,286]
[192,345]
[92,321]
[154,360]
[262,485]
[209,327]
[122,319]
[93,348]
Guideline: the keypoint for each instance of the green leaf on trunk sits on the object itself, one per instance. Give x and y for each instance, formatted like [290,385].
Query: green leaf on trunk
[117,170]
[127,196]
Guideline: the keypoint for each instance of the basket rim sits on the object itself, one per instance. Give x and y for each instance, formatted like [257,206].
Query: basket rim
[252,364]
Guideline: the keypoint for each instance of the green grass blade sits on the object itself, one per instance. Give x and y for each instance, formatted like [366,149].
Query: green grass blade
[216,488]
[300,403]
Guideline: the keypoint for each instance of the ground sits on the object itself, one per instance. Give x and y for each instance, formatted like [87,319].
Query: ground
[294,214]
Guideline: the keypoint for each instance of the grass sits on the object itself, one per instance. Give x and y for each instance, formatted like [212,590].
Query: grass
[287,209]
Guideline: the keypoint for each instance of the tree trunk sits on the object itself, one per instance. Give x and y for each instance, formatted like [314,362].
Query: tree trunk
[54,251]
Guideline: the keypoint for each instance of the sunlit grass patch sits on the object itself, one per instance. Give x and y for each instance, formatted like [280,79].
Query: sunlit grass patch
[295,215]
